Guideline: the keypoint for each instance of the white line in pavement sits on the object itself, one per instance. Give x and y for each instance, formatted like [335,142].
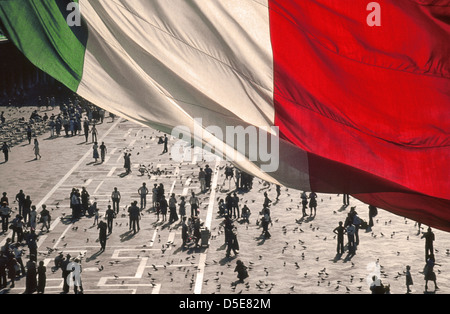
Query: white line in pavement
[110,173]
[202,259]
[41,240]
[141,267]
[171,188]
[128,133]
[154,237]
[88,182]
[98,186]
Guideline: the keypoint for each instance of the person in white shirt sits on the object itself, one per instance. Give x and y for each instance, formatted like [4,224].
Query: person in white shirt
[115,197]
[143,191]
[193,200]
[33,215]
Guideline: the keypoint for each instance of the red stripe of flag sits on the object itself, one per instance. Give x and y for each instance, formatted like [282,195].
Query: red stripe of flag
[371,104]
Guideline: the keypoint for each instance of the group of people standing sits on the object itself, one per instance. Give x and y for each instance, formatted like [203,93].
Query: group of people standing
[23,227]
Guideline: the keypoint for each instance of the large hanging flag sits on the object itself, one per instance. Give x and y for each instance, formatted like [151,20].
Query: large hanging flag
[359,90]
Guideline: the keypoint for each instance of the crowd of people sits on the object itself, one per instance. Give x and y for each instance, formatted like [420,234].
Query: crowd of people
[24,225]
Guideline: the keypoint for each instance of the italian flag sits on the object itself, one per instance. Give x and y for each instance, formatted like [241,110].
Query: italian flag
[361,109]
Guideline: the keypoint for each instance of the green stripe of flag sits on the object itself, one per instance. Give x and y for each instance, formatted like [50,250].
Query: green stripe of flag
[39,29]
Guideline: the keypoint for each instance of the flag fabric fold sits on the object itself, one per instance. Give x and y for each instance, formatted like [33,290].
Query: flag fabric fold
[360,109]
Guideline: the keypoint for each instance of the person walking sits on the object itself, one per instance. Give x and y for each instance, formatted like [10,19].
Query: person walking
[408,277]
[96,213]
[86,129]
[429,273]
[45,218]
[115,197]
[165,150]
[102,236]
[346,199]
[232,243]
[339,231]
[103,152]
[143,191]
[36,149]
[94,133]
[6,149]
[110,215]
[95,154]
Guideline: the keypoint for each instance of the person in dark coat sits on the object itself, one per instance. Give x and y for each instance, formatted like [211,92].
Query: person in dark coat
[42,277]
[232,243]
[173,209]
[65,273]
[102,234]
[32,244]
[429,239]
[163,205]
[339,231]
[241,269]
[12,272]
[429,273]
[110,215]
[31,282]
[135,215]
